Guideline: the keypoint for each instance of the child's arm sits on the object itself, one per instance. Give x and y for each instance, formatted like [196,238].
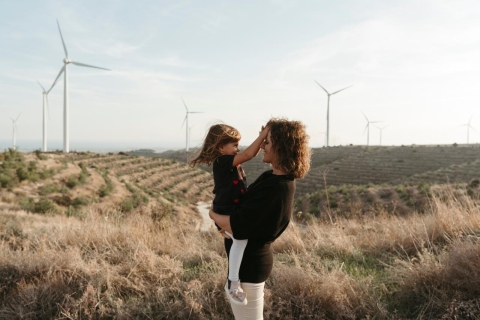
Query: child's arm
[252,149]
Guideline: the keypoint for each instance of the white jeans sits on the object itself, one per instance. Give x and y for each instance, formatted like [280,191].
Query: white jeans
[254,308]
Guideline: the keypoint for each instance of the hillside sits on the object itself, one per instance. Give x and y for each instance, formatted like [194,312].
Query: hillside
[356,165]
[85,236]
[50,182]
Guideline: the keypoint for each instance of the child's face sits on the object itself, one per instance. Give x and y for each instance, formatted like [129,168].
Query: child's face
[229,148]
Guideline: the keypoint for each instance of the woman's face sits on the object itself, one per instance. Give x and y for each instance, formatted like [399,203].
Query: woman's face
[268,154]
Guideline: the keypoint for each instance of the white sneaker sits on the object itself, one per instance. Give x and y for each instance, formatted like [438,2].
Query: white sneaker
[236,295]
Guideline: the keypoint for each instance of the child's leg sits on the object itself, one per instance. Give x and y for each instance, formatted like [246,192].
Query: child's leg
[235,257]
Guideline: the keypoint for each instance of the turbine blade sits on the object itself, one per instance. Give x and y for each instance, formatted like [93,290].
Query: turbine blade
[41,86]
[185,119]
[196,112]
[63,42]
[375,121]
[18,117]
[185,104]
[364,115]
[87,65]
[322,87]
[56,79]
[365,129]
[472,128]
[342,89]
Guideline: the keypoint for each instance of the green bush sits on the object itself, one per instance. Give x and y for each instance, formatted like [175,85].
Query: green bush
[44,206]
[129,204]
[26,204]
[107,188]
[79,202]
[8,180]
[72,181]
[39,155]
[48,189]
[41,206]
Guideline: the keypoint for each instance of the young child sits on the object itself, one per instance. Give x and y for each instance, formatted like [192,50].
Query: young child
[220,148]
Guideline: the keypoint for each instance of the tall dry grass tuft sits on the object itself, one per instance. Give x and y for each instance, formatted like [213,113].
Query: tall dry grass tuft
[305,293]
[106,264]
[110,266]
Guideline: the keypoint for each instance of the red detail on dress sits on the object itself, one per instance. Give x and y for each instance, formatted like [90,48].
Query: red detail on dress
[242,191]
[236,200]
[235,182]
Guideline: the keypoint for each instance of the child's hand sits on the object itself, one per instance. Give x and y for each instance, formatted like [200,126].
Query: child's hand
[222,232]
[264,131]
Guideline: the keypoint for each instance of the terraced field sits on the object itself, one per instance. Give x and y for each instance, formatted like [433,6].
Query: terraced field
[63,183]
[377,165]
[391,165]
[168,179]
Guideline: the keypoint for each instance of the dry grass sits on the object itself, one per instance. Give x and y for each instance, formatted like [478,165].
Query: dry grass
[109,265]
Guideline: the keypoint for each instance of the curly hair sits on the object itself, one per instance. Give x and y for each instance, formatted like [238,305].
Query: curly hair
[218,135]
[290,145]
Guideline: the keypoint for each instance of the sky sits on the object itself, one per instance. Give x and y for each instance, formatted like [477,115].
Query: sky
[414,66]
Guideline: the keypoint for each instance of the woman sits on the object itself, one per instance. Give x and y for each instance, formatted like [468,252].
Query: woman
[266,210]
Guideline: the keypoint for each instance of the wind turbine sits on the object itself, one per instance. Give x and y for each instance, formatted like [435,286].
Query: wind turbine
[66,62]
[328,107]
[186,120]
[45,110]
[15,130]
[368,127]
[468,129]
[381,129]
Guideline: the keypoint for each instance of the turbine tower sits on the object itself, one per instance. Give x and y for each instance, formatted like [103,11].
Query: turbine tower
[45,110]
[15,130]
[368,128]
[381,129]
[66,62]
[190,134]
[186,120]
[328,108]
[468,129]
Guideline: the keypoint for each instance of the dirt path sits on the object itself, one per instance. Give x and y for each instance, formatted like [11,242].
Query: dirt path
[207,223]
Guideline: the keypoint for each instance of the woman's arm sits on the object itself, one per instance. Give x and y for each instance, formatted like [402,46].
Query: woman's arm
[252,150]
[223,221]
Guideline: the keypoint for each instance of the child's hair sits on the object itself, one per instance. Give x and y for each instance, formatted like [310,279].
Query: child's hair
[218,135]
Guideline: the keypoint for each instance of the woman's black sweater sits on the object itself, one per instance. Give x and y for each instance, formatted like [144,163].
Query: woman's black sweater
[262,216]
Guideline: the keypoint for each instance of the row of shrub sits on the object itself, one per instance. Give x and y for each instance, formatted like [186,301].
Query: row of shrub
[107,188]
[76,180]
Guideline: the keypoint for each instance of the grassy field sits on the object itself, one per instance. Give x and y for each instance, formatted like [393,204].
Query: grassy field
[106,258]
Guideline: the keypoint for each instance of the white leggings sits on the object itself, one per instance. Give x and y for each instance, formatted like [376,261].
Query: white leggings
[254,308]
[235,257]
